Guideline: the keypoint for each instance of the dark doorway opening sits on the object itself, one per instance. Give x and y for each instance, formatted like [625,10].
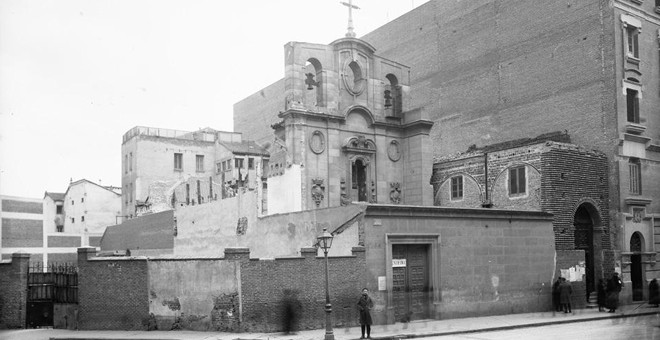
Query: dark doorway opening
[584,236]
[410,281]
[359,177]
[636,272]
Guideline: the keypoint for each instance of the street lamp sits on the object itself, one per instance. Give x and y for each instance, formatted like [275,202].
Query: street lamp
[325,242]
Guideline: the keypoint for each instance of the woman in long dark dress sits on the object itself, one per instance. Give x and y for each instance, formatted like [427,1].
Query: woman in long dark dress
[364,307]
[602,295]
[614,285]
[654,293]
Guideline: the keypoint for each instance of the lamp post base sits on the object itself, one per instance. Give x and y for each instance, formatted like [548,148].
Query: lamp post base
[329,335]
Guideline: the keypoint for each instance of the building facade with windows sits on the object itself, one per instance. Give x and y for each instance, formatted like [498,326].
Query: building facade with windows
[52,228]
[548,174]
[163,168]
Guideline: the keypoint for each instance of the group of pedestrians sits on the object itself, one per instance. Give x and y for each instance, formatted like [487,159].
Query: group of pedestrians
[608,294]
[561,295]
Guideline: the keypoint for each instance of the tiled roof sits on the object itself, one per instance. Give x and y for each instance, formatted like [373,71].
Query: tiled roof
[245,148]
[55,196]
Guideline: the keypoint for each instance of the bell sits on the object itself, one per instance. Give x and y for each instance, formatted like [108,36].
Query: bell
[388,99]
[309,81]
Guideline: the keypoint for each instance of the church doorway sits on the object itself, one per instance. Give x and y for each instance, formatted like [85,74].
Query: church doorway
[636,272]
[359,179]
[410,281]
[584,240]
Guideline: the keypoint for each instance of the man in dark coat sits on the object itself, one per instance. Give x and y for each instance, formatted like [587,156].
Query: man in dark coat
[555,295]
[614,286]
[565,292]
[365,304]
[654,293]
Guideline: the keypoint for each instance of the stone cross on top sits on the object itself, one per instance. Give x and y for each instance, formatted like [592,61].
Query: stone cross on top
[349,4]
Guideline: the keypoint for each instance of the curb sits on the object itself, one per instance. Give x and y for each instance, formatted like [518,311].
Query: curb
[505,328]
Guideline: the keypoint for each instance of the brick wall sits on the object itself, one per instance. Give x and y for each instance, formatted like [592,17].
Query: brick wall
[13,291]
[112,293]
[63,241]
[9,205]
[569,178]
[22,232]
[227,294]
[304,276]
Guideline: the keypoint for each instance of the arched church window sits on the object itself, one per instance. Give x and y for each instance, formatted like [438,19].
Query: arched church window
[392,96]
[314,80]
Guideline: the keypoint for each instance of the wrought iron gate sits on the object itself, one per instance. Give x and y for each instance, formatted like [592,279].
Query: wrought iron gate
[47,285]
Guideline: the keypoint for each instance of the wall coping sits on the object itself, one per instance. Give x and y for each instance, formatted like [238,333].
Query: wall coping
[397,210]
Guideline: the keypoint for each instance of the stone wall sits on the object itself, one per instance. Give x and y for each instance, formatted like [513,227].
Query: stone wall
[13,291]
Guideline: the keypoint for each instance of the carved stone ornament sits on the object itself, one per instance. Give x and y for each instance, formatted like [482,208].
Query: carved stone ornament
[344,199]
[318,191]
[638,215]
[394,151]
[317,142]
[360,144]
[395,192]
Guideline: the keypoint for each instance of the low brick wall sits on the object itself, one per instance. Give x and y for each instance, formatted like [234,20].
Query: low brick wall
[112,292]
[301,281]
[229,294]
[13,291]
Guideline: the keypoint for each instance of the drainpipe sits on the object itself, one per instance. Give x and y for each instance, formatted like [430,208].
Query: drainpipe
[486,203]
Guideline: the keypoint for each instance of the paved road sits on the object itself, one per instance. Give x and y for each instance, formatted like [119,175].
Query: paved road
[632,328]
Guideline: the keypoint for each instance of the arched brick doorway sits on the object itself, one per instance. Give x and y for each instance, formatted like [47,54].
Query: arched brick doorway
[587,237]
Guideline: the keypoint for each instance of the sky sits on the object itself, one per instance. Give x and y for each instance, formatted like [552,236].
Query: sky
[76,75]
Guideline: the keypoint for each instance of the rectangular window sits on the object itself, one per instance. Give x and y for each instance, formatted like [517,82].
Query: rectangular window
[60,228]
[72,202]
[199,163]
[125,164]
[239,163]
[218,167]
[635,177]
[73,220]
[82,200]
[632,33]
[130,162]
[130,192]
[82,218]
[178,161]
[250,163]
[632,102]
[517,182]
[457,187]
[58,209]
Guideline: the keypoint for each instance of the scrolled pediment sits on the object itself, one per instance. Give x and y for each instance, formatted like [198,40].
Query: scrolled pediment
[359,144]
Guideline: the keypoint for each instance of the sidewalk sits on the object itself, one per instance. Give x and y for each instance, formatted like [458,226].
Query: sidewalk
[415,329]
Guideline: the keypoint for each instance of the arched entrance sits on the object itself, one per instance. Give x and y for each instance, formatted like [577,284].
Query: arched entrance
[636,272]
[585,222]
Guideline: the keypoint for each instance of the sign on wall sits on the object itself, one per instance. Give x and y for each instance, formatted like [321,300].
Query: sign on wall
[398,262]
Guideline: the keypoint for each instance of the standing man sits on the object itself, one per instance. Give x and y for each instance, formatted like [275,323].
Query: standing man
[614,285]
[364,308]
[565,292]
